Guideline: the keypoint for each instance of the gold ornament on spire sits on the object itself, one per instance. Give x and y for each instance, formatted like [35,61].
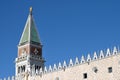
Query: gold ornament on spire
[31,10]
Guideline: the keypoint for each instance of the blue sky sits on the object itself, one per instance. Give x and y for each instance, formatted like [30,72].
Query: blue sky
[67,28]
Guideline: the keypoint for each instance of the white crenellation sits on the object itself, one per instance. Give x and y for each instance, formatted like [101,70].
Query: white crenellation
[88,58]
[50,68]
[70,63]
[13,77]
[115,51]
[82,59]
[108,53]
[95,56]
[59,66]
[64,64]
[8,78]
[54,67]
[45,69]
[101,54]
[76,61]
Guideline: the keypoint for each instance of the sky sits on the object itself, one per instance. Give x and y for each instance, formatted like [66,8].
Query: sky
[67,28]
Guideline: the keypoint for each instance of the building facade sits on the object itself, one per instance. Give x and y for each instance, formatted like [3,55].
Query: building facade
[30,62]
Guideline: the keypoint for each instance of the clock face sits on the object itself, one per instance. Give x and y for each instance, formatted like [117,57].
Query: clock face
[36,51]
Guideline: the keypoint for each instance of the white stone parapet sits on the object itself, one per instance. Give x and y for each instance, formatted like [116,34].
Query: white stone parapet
[96,56]
[63,66]
[9,78]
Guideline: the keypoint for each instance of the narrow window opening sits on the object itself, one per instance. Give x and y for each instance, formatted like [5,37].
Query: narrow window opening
[57,78]
[18,69]
[85,76]
[109,69]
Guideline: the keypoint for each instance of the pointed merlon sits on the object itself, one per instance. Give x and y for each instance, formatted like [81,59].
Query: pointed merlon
[70,63]
[101,54]
[88,58]
[13,77]
[82,59]
[76,61]
[108,52]
[8,78]
[59,66]
[54,67]
[50,68]
[115,51]
[64,64]
[95,56]
[45,69]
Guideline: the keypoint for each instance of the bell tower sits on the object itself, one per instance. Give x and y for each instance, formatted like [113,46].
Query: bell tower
[29,48]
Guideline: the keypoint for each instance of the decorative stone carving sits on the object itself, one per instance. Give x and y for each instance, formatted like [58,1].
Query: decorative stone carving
[36,51]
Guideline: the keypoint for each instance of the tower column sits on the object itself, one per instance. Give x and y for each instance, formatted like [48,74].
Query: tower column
[29,48]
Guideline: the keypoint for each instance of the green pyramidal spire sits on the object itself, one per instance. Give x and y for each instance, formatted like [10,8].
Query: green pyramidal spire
[30,34]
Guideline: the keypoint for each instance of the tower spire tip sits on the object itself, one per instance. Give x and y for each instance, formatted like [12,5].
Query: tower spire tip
[31,10]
